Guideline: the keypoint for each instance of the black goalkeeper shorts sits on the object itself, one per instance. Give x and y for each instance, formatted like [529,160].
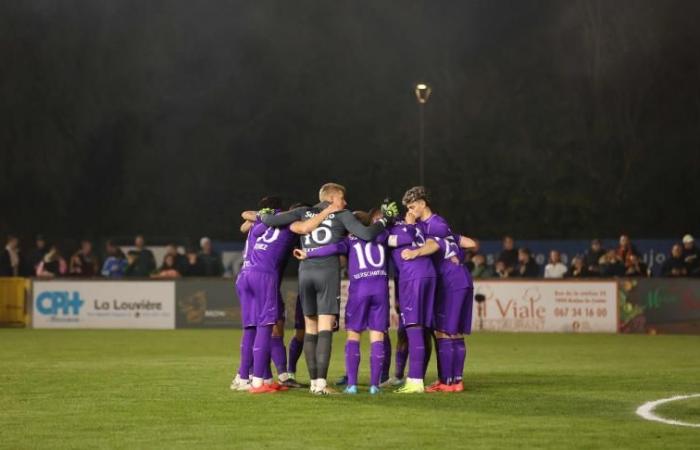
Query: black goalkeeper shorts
[319,289]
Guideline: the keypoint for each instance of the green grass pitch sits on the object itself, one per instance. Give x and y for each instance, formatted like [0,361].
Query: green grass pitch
[169,389]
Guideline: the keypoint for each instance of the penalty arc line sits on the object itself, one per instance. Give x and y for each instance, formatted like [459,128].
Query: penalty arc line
[646,411]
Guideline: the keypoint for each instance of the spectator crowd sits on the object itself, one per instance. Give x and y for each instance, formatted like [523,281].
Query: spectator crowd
[45,260]
[596,261]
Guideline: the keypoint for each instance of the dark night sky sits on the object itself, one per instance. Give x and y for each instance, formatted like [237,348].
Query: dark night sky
[548,119]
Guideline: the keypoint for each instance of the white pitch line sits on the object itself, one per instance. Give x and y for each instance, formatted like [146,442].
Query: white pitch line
[647,411]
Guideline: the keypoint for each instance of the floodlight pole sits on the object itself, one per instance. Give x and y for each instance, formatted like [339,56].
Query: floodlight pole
[421,143]
[422,94]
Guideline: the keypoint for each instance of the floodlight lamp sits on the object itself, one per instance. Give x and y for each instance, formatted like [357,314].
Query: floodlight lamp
[422,92]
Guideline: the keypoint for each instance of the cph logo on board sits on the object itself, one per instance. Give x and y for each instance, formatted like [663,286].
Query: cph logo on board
[59,303]
[103,304]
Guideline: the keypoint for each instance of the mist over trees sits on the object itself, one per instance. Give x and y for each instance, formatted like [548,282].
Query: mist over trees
[548,119]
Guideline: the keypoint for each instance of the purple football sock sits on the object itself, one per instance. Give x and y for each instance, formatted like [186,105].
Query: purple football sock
[429,336]
[460,356]
[386,364]
[401,358]
[416,352]
[401,352]
[261,352]
[279,354]
[352,361]
[445,356]
[295,348]
[246,352]
[376,360]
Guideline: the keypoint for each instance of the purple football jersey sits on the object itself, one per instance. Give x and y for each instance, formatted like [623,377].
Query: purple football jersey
[448,261]
[403,236]
[367,261]
[332,230]
[267,251]
[434,226]
[367,264]
[461,256]
[254,233]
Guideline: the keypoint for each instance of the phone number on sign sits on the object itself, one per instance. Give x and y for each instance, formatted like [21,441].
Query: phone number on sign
[580,312]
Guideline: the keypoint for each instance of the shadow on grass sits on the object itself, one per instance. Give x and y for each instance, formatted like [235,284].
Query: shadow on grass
[519,394]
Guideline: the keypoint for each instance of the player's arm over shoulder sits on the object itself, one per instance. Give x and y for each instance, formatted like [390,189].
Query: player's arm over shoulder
[250,216]
[382,237]
[246,226]
[465,242]
[355,227]
[285,218]
[308,225]
[401,235]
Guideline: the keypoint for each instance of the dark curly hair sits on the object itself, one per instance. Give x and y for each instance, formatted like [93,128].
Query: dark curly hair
[271,202]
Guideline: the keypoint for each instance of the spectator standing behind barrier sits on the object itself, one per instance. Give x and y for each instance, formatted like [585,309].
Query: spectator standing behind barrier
[578,268]
[145,262]
[469,255]
[209,259]
[180,260]
[115,264]
[168,268]
[509,255]
[52,265]
[501,270]
[625,248]
[592,257]
[9,259]
[611,265]
[84,262]
[691,256]
[555,268]
[480,269]
[675,266]
[193,267]
[135,266]
[34,256]
[635,267]
[527,267]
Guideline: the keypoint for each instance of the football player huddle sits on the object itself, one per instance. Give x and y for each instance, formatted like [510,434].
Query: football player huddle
[433,293]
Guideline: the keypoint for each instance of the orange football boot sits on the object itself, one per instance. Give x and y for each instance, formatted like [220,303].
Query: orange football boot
[457,387]
[438,387]
[264,389]
[278,387]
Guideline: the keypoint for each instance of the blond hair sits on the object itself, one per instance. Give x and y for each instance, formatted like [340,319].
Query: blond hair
[329,189]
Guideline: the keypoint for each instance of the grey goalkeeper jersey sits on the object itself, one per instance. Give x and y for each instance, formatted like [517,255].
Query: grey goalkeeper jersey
[332,230]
